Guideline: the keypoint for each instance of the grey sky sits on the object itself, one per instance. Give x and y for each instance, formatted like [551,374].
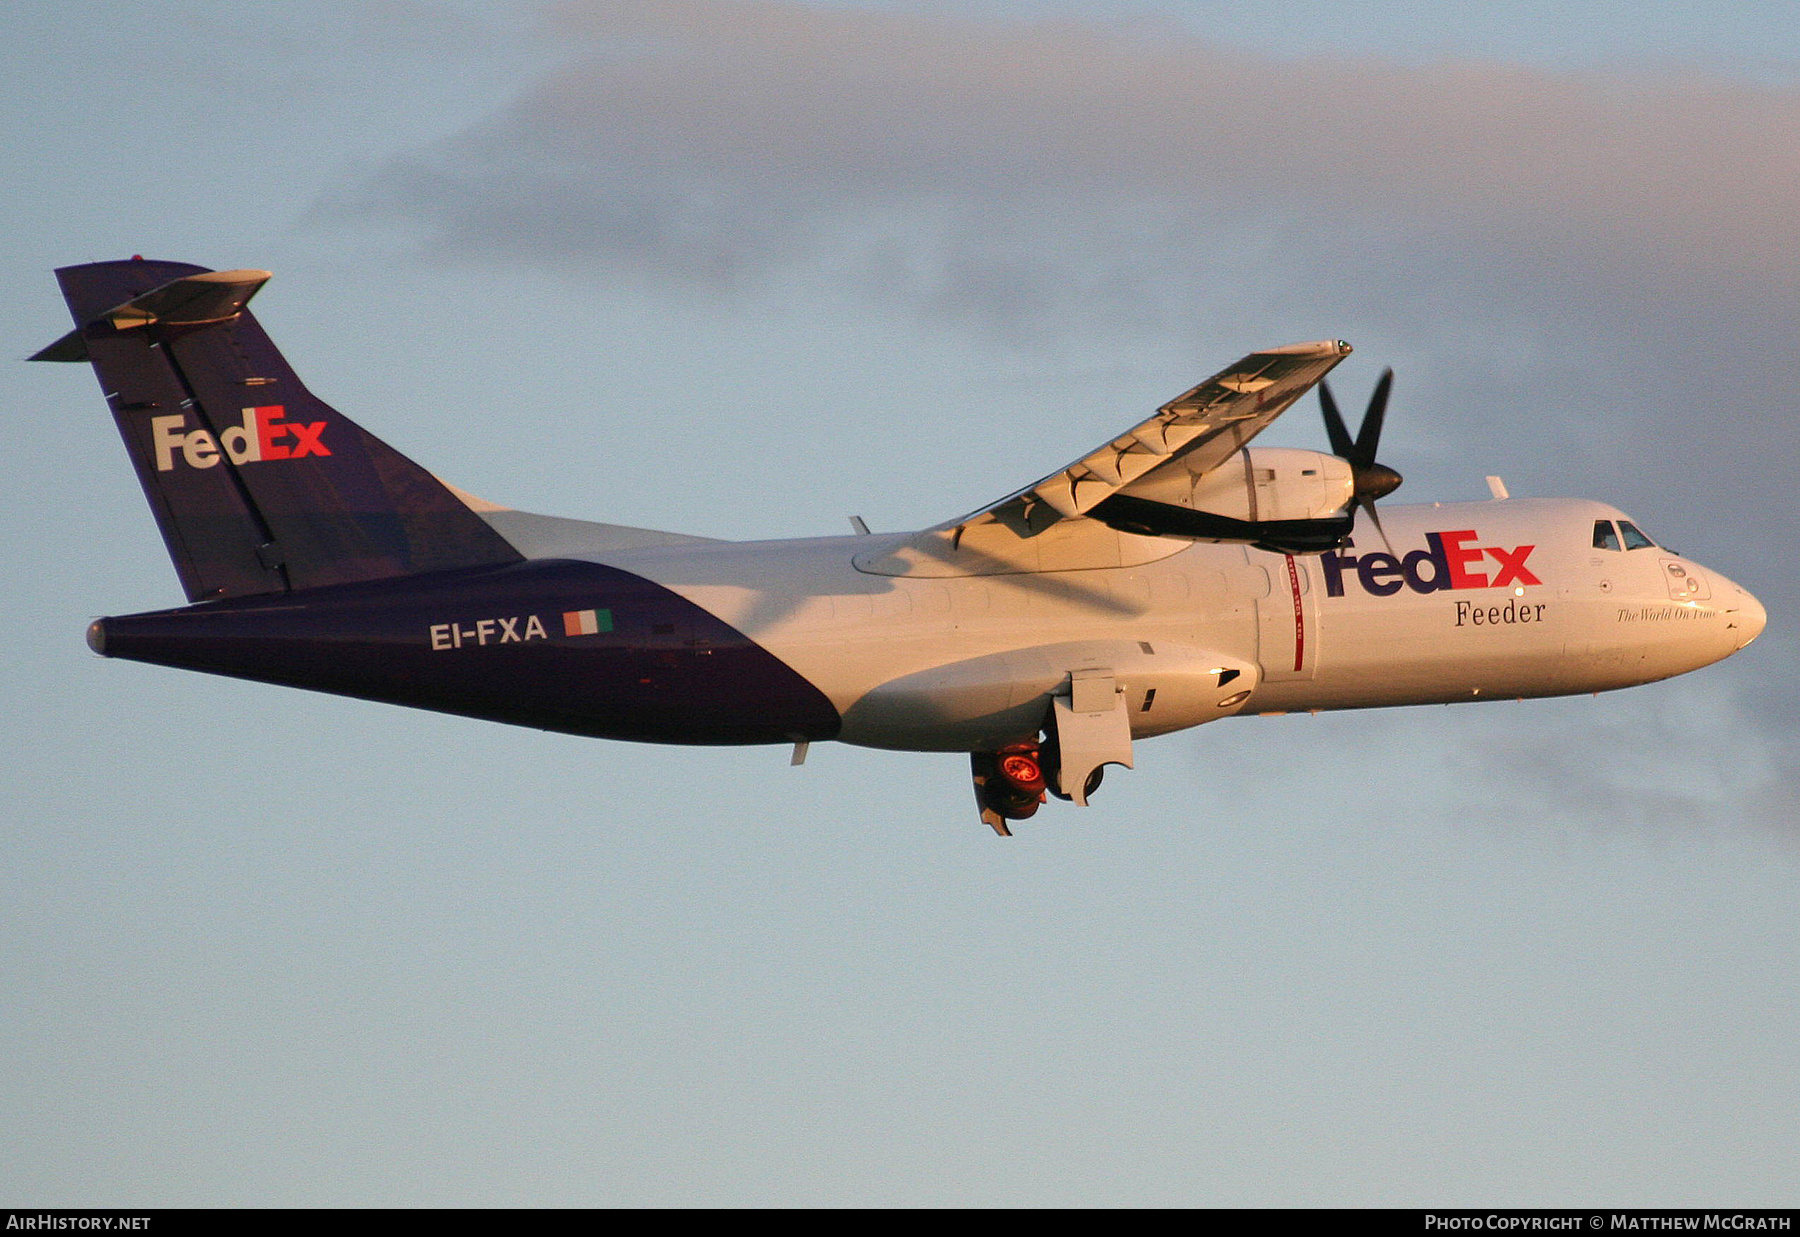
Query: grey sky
[266,947]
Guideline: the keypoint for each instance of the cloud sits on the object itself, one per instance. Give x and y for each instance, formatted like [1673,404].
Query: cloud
[958,159]
[1686,756]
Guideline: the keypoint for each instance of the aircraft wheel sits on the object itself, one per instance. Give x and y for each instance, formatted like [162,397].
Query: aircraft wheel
[1016,806]
[1010,801]
[1052,780]
[1022,766]
[1009,782]
[1051,760]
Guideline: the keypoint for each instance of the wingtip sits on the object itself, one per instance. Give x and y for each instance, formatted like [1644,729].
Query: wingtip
[234,277]
[1317,347]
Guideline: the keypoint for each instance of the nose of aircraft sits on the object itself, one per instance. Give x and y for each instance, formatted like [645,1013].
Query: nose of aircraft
[1744,614]
[1750,617]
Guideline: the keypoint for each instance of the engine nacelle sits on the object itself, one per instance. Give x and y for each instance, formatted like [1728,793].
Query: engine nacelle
[1258,485]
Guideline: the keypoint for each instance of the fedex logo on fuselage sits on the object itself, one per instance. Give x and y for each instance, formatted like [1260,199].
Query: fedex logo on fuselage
[263,435]
[1452,564]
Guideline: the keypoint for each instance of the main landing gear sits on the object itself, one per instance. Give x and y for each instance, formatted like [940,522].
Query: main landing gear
[1009,784]
[1087,727]
[1012,783]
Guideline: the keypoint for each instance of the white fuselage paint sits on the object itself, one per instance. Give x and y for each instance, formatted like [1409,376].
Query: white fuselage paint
[956,663]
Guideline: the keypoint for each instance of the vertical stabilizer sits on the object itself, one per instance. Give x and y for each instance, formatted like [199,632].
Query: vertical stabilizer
[258,486]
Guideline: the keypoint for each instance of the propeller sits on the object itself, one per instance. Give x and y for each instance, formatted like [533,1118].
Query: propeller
[1369,479]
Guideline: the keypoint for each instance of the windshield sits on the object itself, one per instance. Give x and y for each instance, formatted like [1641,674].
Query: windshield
[1634,538]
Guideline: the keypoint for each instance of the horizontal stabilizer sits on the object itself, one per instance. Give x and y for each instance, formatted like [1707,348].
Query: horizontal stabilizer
[187,303]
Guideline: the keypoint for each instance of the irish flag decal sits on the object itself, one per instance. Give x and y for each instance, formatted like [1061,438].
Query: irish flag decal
[586,622]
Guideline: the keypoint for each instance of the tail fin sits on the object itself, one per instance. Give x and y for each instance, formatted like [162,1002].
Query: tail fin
[258,486]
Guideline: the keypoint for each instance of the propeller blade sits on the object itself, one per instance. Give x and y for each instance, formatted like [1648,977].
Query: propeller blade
[1368,504]
[1368,437]
[1335,429]
[1369,480]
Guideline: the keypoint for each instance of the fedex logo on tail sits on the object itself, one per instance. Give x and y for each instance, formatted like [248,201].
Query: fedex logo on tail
[1451,563]
[263,435]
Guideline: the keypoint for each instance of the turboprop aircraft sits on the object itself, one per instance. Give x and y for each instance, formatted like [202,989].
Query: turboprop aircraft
[1173,576]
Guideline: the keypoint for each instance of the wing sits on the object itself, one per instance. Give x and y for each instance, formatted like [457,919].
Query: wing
[1202,428]
[1046,527]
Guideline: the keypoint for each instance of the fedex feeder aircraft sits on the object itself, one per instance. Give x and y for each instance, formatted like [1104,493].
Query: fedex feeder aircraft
[1173,576]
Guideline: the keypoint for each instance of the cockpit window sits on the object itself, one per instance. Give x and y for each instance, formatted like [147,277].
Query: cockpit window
[1605,537]
[1634,539]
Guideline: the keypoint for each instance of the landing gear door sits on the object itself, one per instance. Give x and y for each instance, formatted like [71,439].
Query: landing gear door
[1093,729]
[1287,617]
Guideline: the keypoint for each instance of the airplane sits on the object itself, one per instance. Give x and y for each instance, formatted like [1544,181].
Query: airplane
[1173,576]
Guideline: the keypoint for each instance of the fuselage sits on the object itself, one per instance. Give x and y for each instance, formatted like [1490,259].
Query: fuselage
[689,641]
